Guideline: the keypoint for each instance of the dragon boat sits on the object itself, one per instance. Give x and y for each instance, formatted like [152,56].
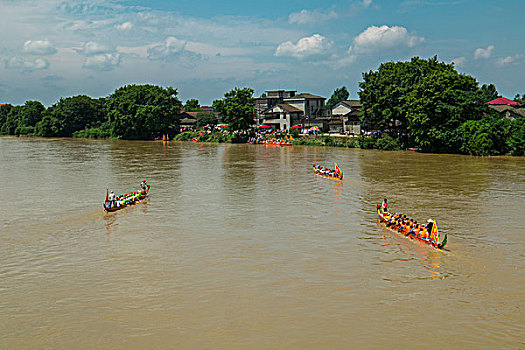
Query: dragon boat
[278,143]
[127,201]
[337,172]
[385,217]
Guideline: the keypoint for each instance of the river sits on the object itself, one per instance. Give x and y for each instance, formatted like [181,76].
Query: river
[243,247]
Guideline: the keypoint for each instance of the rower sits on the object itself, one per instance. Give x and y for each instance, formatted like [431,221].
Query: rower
[143,187]
[111,199]
[384,205]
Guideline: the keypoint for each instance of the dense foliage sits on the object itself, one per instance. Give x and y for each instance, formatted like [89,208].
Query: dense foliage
[206,118]
[340,94]
[192,105]
[236,108]
[428,104]
[143,111]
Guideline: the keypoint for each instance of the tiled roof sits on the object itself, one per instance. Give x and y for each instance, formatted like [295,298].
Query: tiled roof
[353,103]
[289,108]
[306,95]
[503,108]
[188,121]
[503,101]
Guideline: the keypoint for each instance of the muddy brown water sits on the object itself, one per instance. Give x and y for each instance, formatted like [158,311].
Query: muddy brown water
[243,247]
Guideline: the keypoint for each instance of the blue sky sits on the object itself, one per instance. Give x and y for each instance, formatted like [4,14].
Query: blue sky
[58,48]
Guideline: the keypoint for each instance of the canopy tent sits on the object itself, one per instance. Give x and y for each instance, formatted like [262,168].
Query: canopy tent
[296,127]
[264,126]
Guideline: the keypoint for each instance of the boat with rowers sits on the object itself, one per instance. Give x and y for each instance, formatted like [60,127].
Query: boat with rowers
[125,200]
[278,142]
[427,234]
[336,174]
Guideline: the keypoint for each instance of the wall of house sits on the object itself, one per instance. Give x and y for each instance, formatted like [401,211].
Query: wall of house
[341,110]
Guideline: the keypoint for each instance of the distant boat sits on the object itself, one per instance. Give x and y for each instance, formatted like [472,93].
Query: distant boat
[128,200]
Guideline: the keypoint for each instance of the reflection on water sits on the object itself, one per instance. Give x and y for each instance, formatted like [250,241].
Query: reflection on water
[242,246]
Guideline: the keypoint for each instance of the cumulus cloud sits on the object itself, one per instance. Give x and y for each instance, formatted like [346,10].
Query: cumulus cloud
[26,65]
[315,16]
[374,39]
[502,61]
[102,62]
[124,26]
[307,46]
[39,47]
[459,61]
[91,48]
[167,49]
[319,15]
[483,53]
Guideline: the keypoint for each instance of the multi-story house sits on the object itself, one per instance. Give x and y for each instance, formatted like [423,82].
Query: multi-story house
[283,109]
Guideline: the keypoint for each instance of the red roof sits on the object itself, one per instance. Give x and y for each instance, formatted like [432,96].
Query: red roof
[503,101]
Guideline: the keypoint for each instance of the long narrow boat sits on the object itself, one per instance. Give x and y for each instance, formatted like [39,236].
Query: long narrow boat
[436,244]
[338,175]
[123,204]
[278,143]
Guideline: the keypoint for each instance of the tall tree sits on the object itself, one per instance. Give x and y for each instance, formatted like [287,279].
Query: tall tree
[12,121]
[4,111]
[141,111]
[236,108]
[424,97]
[192,105]
[340,94]
[32,113]
[490,92]
[74,113]
[206,118]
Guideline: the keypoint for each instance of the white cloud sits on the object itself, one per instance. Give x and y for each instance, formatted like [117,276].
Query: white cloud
[91,48]
[307,46]
[102,62]
[39,47]
[502,61]
[459,61]
[315,16]
[166,49]
[375,39]
[483,53]
[26,65]
[124,26]
[320,15]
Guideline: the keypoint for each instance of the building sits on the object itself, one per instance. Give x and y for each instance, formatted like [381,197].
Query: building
[282,116]
[269,99]
[283,109]
[188,120]
[507,108]
[345,116]
[502,101]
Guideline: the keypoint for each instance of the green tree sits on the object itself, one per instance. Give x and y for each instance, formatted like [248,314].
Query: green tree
[73,114]
[12,120]
[4,111]
[516,138]
[424,98]
[206,118]
[484,137]
[192,105]
[32,113]
[340,94]
[236,108]
[141,111]
[490,92]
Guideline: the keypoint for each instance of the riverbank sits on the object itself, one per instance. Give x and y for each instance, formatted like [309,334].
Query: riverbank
[384,142]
